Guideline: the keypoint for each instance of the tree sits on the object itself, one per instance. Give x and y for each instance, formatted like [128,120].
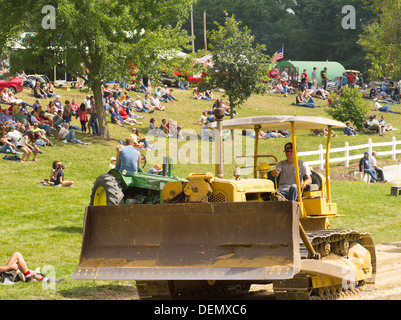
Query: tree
[309,29]
[382,41]
[350,106]
[98,39]
[238,66]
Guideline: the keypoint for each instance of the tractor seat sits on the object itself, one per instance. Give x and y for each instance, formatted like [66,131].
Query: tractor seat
[311,187]
[316,184]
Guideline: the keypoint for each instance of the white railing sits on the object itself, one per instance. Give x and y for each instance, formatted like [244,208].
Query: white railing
[347,148]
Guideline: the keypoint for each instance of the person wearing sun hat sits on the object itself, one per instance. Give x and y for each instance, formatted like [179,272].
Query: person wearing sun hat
[286,168]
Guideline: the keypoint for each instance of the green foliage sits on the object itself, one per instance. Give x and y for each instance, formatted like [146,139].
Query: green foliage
[381,41]
[349,106]
[98,39]
[238,66]
[309,29]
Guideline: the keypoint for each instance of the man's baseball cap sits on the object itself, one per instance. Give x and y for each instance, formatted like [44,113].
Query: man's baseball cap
[366,153]
[288,146]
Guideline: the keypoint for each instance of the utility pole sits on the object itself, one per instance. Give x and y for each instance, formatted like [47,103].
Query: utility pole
[192,29]
[204,30]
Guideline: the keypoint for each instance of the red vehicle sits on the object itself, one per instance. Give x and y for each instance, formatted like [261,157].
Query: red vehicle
[190,79]
[14,85]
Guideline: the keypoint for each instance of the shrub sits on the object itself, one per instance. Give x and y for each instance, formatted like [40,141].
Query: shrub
[349,106]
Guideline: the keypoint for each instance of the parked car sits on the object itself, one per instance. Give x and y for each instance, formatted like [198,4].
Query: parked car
[14,85]
[168,80]
[38,77]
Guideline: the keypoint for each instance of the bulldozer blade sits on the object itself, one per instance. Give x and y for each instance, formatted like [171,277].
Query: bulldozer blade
[190,241]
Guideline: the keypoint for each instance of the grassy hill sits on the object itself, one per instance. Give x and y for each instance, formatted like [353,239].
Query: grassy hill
[45,223]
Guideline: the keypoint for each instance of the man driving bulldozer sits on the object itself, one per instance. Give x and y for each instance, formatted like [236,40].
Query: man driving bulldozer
[287,182]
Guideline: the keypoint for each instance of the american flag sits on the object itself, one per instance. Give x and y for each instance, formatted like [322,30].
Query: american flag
[278,55]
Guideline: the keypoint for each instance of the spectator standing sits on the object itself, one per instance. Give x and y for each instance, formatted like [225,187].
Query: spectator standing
[83,117]
[67,111]
[351,80]
[314,77]
[284,74]
[323,77]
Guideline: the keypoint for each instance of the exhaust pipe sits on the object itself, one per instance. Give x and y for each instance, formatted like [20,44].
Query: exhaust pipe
[219,114]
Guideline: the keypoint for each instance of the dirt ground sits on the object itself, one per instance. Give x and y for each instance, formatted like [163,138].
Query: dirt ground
[387,286]
[388,276]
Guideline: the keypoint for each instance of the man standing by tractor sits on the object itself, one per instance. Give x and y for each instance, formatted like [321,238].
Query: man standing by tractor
[287,184]
[128,157]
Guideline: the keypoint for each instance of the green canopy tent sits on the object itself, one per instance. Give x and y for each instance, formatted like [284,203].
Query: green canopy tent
[334,69]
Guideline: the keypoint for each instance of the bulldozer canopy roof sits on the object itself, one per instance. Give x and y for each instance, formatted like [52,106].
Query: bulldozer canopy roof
[279,123]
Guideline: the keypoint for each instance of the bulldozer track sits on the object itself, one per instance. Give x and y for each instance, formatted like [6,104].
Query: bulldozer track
[297,288]
[171,290]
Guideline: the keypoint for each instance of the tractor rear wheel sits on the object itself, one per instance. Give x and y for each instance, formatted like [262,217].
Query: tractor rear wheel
[107,191]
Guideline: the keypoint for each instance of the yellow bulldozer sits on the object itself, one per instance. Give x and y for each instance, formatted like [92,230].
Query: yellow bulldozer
[206,234]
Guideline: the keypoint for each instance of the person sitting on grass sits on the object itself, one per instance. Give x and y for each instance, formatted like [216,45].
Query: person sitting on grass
[163,128]
[53,172]
[7,146]
[155,103]
[349,130]
[386,126]
[67,135]
[128,116]
[59,180]
[301,102]
[147,105]
[374,125]
[17,263]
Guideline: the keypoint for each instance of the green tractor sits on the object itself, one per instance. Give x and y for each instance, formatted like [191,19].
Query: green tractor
[117,188]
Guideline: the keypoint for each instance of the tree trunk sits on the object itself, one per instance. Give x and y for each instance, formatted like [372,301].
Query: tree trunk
[231,107]
[97,93]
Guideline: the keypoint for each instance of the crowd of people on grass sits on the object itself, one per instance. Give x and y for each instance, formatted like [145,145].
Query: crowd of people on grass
[25,129]
[383,94]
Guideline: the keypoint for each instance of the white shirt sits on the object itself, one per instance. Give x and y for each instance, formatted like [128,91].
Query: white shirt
[372,162]
[138,104]
[14,136]
[63,132]
[154,101]
[287,173]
